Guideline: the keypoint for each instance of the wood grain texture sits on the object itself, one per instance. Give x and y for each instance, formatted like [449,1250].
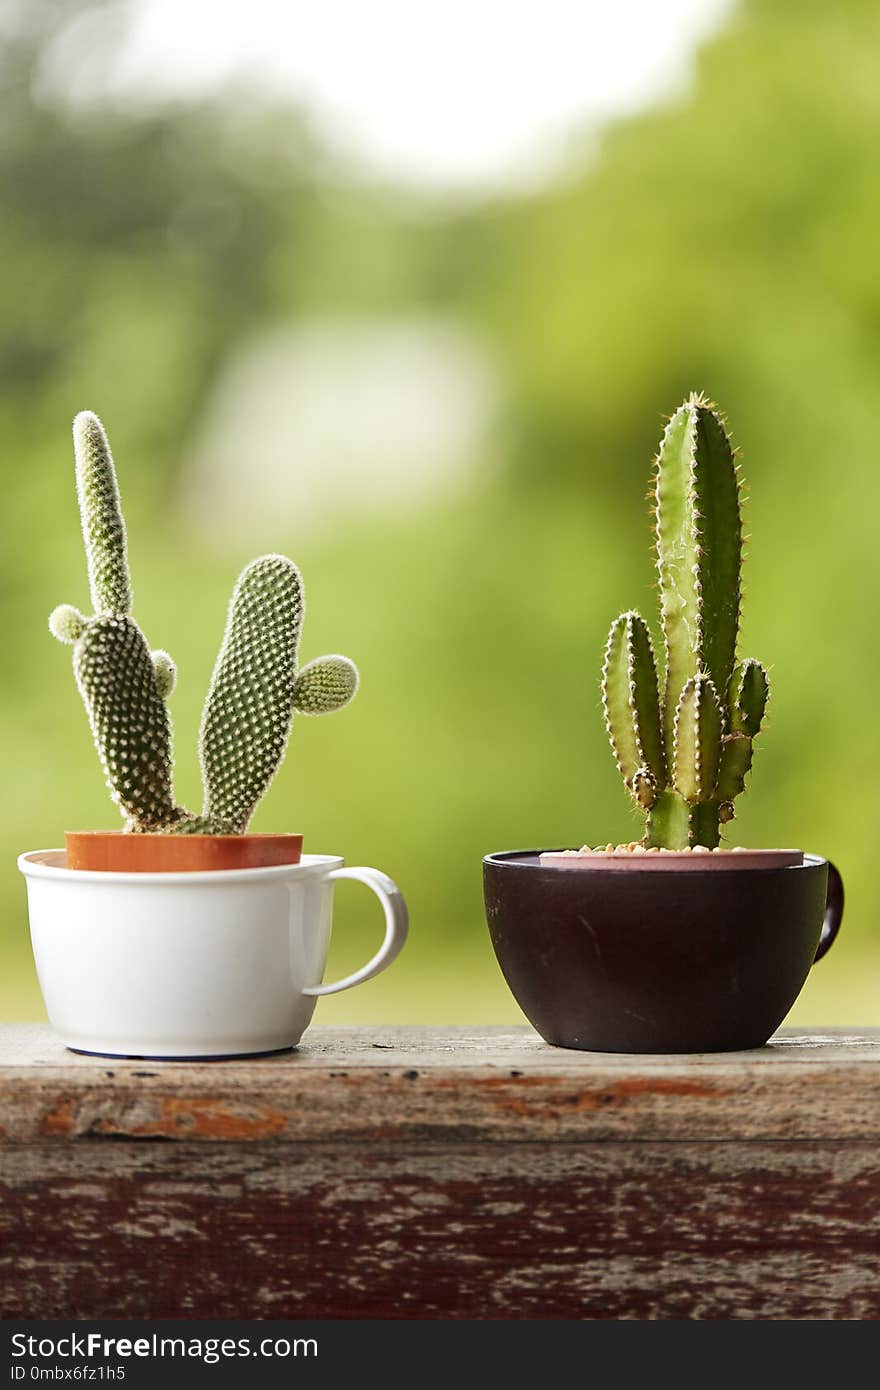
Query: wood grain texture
[428,1173]
[487,1085]
[543,1230]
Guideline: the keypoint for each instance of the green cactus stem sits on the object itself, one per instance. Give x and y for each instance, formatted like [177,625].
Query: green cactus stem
[749,693]
[631,700]
[684,757]
[101,514]
[247,715]
[326,684]
[734,763]
[255,689]
[67,624]
[130,725]
[697,744]
[165,673]
[122,685]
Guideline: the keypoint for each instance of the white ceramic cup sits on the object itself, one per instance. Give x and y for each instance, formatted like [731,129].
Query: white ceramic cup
[213,964]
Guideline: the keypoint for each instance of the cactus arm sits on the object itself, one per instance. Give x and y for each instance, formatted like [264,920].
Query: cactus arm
[718,527]
[619,722]
[129,721]
[697,745]
[326,684]
[686,813]
[67,624]
[165,672]
[247,715]
[101,514]
[122,685]
[631,701]
[735,763]
[677,561]
[644,694]
[750,691]
[699,551]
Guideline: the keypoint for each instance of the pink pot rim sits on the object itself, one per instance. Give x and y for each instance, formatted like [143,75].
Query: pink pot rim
[686,861]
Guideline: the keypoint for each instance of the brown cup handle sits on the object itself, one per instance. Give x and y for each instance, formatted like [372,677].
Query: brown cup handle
[833,913]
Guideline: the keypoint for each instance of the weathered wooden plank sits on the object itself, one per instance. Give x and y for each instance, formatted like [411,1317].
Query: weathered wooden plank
[489,1085]
[454,1173]
[708,1230]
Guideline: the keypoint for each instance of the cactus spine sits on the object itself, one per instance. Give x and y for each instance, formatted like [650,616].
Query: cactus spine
[254,691]
[684,758]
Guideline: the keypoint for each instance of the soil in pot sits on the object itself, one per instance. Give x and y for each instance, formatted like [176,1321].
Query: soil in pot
[635,856]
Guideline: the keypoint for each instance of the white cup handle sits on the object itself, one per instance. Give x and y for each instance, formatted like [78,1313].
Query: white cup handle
[396,927]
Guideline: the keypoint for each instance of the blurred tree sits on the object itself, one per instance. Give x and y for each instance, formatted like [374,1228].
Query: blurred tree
[135,249]
[725,241]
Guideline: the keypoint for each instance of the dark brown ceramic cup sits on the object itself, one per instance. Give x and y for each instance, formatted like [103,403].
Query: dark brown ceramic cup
[637,961]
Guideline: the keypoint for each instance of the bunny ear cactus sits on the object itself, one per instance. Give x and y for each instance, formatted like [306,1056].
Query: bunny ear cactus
[254,691]
[684,755]
[122,683]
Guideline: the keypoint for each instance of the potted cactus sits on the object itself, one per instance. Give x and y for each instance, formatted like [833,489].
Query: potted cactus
[183,934]
[671,943]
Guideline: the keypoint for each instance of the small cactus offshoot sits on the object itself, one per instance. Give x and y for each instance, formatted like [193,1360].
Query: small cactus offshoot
[684,752]
[254,691]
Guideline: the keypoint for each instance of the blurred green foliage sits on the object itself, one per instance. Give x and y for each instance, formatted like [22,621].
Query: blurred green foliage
[725,242]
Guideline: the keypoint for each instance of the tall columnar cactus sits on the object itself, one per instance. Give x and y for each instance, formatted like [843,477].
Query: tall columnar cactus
[254,691]
[684,755]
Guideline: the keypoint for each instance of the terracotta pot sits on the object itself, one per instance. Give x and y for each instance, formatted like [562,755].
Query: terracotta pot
[637,961]
[115,851]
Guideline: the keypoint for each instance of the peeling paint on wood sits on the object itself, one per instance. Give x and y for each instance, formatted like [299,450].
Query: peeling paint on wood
[493,1085]
[420,1173]
[163,1117]
[560,1230]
